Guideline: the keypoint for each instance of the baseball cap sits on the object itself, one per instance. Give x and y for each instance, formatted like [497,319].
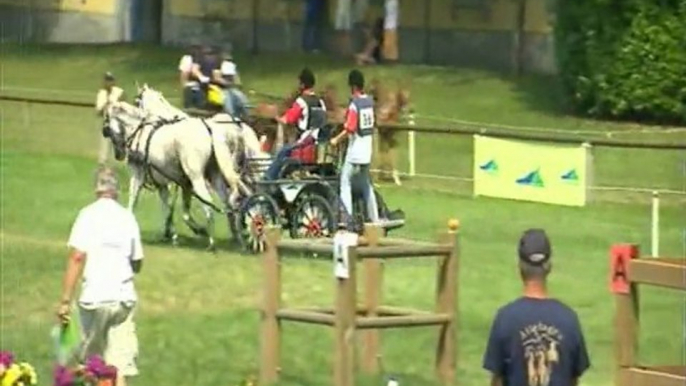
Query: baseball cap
[534,247]
[106,180]
[109,76]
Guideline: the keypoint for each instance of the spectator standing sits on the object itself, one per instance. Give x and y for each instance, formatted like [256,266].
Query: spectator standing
[312,29]
[535,340]
[106,250]
[343,26]
[390,41]
[107,94]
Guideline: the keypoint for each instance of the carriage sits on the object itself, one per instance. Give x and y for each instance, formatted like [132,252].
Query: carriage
[304,199]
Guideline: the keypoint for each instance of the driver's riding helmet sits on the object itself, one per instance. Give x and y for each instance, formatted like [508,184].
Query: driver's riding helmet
[356,79]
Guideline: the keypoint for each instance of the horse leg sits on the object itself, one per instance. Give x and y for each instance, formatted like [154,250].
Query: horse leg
[200,188]
[169,232]
[186,196]
[135,185]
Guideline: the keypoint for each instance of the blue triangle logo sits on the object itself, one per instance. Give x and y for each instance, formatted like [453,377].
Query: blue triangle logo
[490,167]
[531,179]
[570,176]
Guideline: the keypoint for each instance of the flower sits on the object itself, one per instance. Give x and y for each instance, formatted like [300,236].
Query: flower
[63,376]
[6,359]
[28,375]
[11,375]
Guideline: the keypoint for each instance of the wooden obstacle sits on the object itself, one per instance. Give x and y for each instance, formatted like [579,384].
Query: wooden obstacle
[627,272]
[347,316]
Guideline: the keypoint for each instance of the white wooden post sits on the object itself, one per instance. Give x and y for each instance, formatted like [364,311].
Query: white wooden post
[655,225]
[411,148]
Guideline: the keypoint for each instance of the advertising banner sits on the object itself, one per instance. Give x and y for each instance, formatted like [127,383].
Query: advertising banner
[532,171]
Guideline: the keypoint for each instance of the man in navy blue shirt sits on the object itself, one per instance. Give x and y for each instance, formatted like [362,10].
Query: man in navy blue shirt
[535,340]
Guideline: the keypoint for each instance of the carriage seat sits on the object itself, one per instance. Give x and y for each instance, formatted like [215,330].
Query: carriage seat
[314,153]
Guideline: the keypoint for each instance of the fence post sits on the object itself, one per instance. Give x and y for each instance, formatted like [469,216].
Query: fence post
[626,321]
[373,272]
[271,326]
[655,225]
[446,302]
[344,324]
[411,148]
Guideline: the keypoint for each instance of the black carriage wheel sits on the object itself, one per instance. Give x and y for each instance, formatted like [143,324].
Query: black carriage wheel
[313,217]
[360,216]
[255,215]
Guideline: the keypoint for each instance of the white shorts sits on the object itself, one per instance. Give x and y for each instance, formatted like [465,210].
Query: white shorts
[109,331]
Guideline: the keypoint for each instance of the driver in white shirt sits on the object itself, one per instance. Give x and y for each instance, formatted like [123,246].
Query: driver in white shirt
[106,251]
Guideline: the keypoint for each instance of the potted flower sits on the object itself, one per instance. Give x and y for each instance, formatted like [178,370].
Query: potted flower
[15,373]
[94,373]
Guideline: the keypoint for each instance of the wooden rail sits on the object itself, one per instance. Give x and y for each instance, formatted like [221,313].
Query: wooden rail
[467,130]
[627,272]
[347,316]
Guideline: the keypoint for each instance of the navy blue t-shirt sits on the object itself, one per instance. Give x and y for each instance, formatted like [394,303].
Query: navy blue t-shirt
[536,342]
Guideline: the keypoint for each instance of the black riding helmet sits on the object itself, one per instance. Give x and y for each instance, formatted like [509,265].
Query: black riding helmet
[306,77]
[356,79]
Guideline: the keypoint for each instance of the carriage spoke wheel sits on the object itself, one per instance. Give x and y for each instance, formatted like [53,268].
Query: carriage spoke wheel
[312,218]
[256,214]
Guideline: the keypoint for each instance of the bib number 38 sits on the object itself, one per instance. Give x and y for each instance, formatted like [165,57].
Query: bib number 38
[366,121]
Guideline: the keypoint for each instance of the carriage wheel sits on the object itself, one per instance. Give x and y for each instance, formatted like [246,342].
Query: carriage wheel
[256,214]
[312,218]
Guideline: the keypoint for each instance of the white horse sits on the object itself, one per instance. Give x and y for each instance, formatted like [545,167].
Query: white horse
[180,151]
[153,102]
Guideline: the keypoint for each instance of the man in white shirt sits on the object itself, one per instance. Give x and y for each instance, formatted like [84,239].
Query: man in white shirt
[106,250]
[107,94]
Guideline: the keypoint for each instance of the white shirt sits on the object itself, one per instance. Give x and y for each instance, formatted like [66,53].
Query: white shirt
[390,20]
[360,147]
[105,97]
[110,237]
[186,63]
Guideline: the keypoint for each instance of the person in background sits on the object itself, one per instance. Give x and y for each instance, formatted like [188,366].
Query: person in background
[107,94]
[343,26]
[390,40]
[308,112]
[312,25]
[106,251]
[189,84]
[235,102]
[204,70]
[358,128]
[535,340]
[372,51]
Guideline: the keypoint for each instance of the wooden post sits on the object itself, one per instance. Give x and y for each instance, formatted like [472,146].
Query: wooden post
[626,324]
[373,288]
[271,327]
[446,302]
[344,326]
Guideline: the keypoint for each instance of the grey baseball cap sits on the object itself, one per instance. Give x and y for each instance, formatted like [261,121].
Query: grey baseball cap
[534,247]
[106,180]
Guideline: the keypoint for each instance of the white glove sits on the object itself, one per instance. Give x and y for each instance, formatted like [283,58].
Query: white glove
[204,79]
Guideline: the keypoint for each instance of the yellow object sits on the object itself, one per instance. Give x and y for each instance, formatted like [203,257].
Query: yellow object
[532,171]
[453,224]
[11,375]
[215,95]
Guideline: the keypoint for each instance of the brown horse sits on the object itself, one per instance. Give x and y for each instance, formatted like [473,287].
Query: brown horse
[391,108]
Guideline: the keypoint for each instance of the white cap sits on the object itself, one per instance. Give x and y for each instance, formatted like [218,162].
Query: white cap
[228,68]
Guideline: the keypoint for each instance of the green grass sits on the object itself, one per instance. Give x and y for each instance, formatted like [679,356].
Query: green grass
[198,317]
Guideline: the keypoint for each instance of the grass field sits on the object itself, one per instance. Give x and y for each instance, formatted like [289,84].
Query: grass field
[198,313]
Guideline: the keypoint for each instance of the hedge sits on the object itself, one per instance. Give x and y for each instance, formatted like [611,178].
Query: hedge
[624,59]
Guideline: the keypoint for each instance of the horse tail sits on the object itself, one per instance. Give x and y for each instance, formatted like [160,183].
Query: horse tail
[226,162]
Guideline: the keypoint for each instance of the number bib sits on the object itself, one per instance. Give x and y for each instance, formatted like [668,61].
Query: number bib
[366,121]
